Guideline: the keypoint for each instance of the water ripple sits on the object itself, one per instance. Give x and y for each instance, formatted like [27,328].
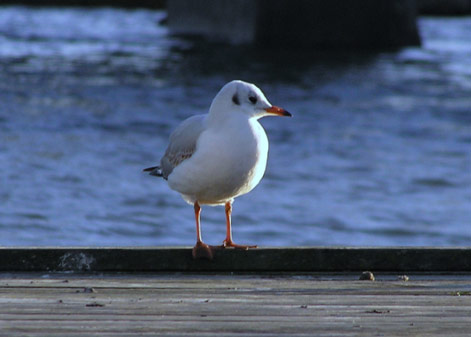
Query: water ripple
[377,152]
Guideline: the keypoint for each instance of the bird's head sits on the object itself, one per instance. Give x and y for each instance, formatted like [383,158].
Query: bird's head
[242,97]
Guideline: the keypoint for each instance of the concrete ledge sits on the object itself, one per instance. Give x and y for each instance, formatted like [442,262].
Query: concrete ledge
[312,259]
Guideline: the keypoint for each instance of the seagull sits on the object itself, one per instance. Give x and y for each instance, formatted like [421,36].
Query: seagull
[213,158]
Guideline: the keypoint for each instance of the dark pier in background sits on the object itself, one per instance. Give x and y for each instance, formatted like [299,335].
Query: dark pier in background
[263,292]
[444,7]
[301,24]
[424,7]
[298,24]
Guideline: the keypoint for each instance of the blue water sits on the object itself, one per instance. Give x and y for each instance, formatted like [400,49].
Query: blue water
[378,151]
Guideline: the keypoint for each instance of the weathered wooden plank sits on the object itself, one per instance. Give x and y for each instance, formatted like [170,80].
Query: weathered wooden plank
[230,305]
[312,259]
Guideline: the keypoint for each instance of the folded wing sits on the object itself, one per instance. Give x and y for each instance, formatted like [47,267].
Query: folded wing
[182,145]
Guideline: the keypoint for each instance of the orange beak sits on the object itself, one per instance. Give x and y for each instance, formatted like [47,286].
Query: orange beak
[278,111]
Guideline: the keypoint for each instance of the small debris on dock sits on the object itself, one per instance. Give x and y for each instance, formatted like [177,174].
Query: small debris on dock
[378,311]
[94,304]
[87,290]
[367,276]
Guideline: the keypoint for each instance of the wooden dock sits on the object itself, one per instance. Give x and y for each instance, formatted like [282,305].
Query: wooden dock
[41,294]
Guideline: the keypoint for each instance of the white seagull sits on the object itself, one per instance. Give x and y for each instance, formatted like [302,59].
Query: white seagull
[213,158]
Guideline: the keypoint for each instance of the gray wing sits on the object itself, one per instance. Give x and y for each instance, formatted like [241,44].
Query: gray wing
[182,143]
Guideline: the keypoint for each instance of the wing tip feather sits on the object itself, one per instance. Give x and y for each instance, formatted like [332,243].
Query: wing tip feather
[154,171]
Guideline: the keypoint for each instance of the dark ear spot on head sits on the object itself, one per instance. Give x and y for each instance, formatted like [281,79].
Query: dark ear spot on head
[235,99]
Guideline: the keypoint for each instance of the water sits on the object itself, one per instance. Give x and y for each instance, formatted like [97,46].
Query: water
[378,151]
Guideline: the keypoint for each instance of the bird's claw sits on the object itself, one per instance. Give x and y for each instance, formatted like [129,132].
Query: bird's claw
[230,244]
[204,251]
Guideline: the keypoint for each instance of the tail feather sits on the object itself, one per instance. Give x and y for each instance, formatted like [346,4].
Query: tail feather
[154,171]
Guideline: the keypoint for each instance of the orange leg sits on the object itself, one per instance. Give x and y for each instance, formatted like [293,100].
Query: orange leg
[228,241]
[201,250]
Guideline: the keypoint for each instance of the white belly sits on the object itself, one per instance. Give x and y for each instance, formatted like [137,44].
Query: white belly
[226,164]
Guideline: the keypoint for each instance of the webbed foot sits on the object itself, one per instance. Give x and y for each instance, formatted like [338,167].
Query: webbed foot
[202,251]
[230,244]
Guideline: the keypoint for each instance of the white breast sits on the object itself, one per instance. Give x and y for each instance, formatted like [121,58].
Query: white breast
[229,161]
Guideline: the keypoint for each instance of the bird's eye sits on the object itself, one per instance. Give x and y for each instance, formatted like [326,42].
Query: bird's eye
[235,99]
[253,99]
